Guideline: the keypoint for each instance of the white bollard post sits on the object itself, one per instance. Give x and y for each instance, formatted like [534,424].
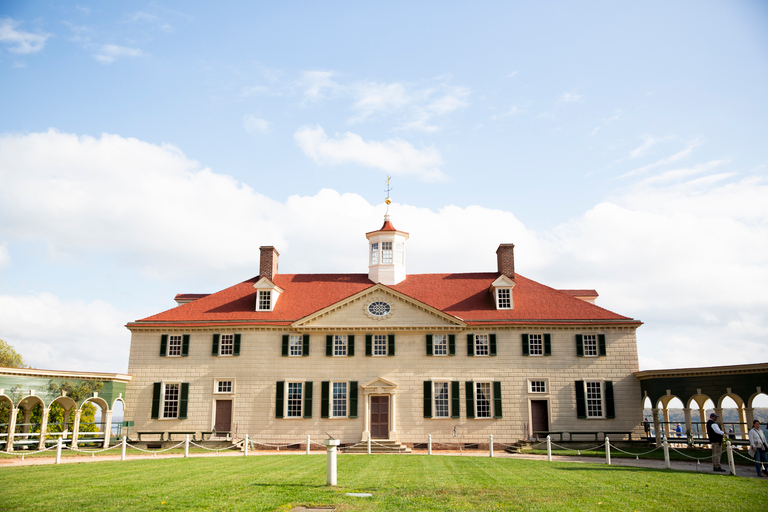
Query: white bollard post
[308,444]
[246,445]
[549,448]
[731,463]
[607,451]
[666,452]
[429,445]
[58,451]
[186,447]
[122,451]
[330,469]
[490,446]
[369,445]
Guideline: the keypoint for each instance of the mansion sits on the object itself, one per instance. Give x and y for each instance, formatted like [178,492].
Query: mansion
[385,355]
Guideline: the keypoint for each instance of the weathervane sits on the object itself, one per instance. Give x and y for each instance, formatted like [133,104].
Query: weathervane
[388,200]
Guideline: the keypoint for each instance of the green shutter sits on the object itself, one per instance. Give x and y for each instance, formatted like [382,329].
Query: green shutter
[525,345]
[215,345]
[429,353]
[236,350]
[601,343]
[353,399]
[492,340]
[547,344]
[581,402]
[391,349]
[470,344]
[470,394]
[427,398]
[185,345]
[158,386]
[329,345]
[325,392]
[455,399]
[368,345]
[308,399]
[163,344]
[350,346]
[580,345]
[184,400]
[451,344]
[286,344]
[497,399]
[280,399]
[305,345]
[610,409]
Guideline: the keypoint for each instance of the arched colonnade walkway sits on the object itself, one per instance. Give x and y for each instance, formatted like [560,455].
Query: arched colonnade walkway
[694,386]
[39,406]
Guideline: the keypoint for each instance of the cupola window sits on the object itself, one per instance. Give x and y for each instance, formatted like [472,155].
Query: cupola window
[375,253]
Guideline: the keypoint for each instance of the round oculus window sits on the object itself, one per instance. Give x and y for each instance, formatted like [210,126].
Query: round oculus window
[378,308]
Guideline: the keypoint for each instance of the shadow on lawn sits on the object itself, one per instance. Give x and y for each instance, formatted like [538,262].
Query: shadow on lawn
[289,485]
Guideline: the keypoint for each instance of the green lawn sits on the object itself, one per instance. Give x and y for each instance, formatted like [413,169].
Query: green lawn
[398,482]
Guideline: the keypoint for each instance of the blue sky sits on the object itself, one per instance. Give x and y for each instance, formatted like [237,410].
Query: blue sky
[148,149]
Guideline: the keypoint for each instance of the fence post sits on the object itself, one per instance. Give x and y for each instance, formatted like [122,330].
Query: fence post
[122,452]
[58,451]
[246,445]
[731,463]
[607,451]
[429,445]
[308,444]
[369,445]
[549,448]
[490,447]
[186,447]
[666,451]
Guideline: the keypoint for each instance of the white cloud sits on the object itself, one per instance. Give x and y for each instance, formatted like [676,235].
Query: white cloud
[22,42]
[570,97]
[511,112]
[318,84]
[395,156]
[108,53]
[676,157]
[254,124]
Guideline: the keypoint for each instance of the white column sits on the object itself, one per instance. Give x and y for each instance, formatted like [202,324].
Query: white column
[107,428]
[393,418]
[43,429]
[330,468]
[76,428]
[11,429]
[308,444]
[367,415]
[122,452]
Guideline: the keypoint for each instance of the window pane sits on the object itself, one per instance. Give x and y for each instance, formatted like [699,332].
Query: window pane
[440,344]
[171,401]
[590,344]
[441,400]
[481,345]
[386,252]
[294,399]
[339,399]
[505,298]
[483,399]
[174,345]
[375,253]
[227,345]
[594,400]
[224,386]
[296,344]
[265,300]
[538,386]
[380,345]
[536,344]
[339,345]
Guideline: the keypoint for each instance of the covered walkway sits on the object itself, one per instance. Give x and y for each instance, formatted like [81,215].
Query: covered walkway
[37,407]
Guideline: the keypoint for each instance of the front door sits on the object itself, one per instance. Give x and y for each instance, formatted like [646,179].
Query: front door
[539,416]
[223,421]
[380,417]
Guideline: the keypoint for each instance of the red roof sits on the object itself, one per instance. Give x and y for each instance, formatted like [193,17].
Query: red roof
[465,296]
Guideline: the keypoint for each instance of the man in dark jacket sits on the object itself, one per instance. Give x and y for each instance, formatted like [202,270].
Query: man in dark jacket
[715,435]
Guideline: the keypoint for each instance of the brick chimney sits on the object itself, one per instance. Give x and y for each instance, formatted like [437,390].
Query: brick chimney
[505,259]
[268,263]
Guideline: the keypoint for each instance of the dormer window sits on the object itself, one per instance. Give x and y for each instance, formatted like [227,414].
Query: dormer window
[501,289]
[267,294]
[265,300]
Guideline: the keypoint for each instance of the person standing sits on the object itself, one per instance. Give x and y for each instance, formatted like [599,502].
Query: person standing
[715,435]
[647,427]
[758,448]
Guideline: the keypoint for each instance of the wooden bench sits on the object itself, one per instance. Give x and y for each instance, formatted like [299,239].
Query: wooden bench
[594,433]
[545,433]
[211,433]
[182,433]
[160,433]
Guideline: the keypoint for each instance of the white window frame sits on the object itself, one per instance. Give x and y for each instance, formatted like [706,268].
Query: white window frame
[295,345]
[386,253]
[374,253]
[175,342]
[385,344]
[531,389]
[599,386]
[447,386]
[333,399]
[594,346]
[399,253]
[263,299]
[230,344]
[477,384]
[163,399]
[539,344]
[217,384]
[288,399]
[482,341]
[340,345]
[504,302]
[440,340]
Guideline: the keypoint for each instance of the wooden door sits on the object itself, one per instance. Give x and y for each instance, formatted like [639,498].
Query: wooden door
[539,416]
[380,417]
[223,421]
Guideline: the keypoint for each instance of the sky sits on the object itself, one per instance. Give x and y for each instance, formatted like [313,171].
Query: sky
[149,149]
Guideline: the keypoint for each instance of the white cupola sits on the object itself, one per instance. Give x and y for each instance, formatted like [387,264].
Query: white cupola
[386,254]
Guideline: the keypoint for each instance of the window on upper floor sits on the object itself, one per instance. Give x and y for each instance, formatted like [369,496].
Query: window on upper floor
[503,298]
[174,345]
[590,345]
[440,345]
[481,345]
[227,345]
[375,253]
[379,344]
[339,345]
[386,253]
[535,345]
[296,344]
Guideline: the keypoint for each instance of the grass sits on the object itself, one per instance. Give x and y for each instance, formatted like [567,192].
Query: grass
[678,454]
[414,482]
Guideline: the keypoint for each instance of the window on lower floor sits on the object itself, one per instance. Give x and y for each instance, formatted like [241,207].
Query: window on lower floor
[594,396]
[442,400]
[224,386]
[339,400]
[483,399]
[538,386]
[294,399]
[171,400]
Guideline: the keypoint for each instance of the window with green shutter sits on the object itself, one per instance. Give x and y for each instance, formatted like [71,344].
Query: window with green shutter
[308,399]
[163,344]
[236,349]
[429,352]
[157,389]
[581,402]
[470,395]
[280,400]
[497,399]
[455,399]
[391,349]
[427,398]
[286,344]
[353,399]
[215,345]
[184,400]
[325,393]
[525,344]
[305,345]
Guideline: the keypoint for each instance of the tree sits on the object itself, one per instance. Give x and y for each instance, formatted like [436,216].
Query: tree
[9,357]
